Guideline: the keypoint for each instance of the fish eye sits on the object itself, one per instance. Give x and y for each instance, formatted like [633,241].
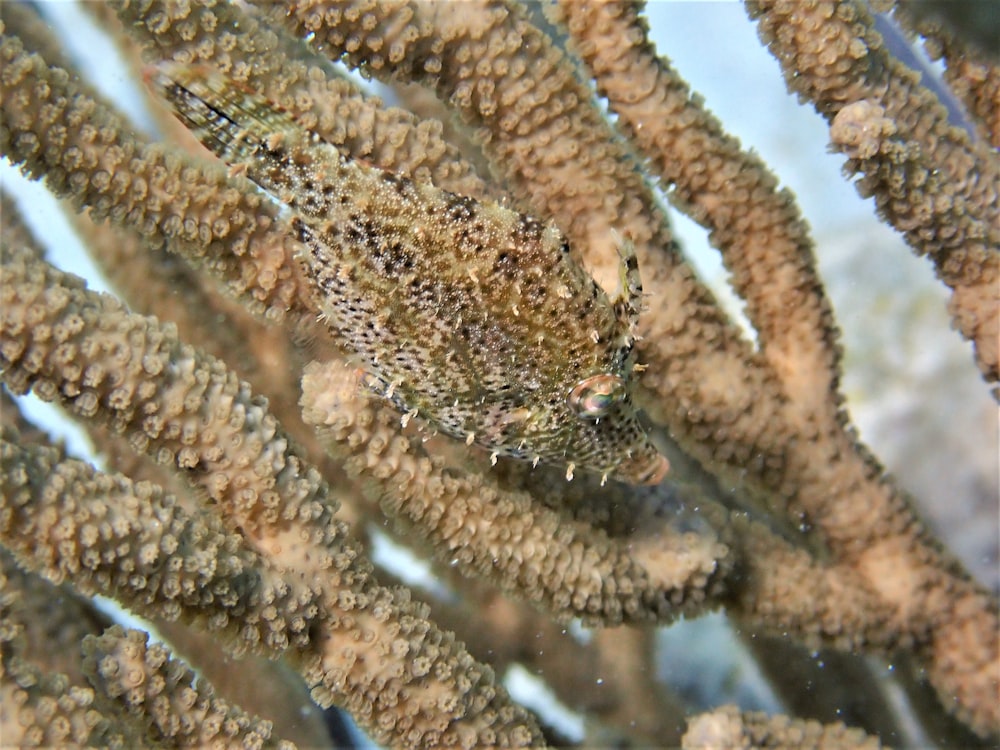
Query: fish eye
[595,396]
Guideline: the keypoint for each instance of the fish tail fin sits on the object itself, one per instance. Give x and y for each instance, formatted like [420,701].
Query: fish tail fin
[248,132]
[232,122]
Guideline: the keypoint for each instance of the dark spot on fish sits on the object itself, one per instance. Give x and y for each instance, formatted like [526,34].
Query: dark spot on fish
[460,208]
[400,184]
[528,229]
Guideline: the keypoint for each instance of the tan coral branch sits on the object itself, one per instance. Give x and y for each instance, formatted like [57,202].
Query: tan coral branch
[66,518]
[161,694]
[930,179]
[501,534]
[728,727]
[757,227]
[972,73]
[54,130]
[189,410]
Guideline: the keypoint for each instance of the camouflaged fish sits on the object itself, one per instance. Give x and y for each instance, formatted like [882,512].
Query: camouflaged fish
[466,313]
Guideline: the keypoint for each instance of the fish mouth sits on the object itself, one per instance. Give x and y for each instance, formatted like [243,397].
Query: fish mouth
[648,469]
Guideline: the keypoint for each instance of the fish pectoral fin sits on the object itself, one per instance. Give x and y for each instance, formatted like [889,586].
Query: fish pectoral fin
[627,300]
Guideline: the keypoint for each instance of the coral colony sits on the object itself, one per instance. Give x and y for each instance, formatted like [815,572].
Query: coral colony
[334,316]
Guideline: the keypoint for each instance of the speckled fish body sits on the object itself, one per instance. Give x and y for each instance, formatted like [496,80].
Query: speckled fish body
[466,313]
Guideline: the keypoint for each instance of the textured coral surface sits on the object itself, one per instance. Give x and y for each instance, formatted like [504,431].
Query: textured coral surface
[256,457]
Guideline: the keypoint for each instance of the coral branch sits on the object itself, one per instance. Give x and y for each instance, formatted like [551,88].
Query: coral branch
[161,693]
[758,228]
[502,534]
[339,624]
[727,727]
[970,70]
[929,179]
[53,129]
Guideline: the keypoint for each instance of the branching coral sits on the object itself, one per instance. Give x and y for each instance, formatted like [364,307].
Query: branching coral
[240,478]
